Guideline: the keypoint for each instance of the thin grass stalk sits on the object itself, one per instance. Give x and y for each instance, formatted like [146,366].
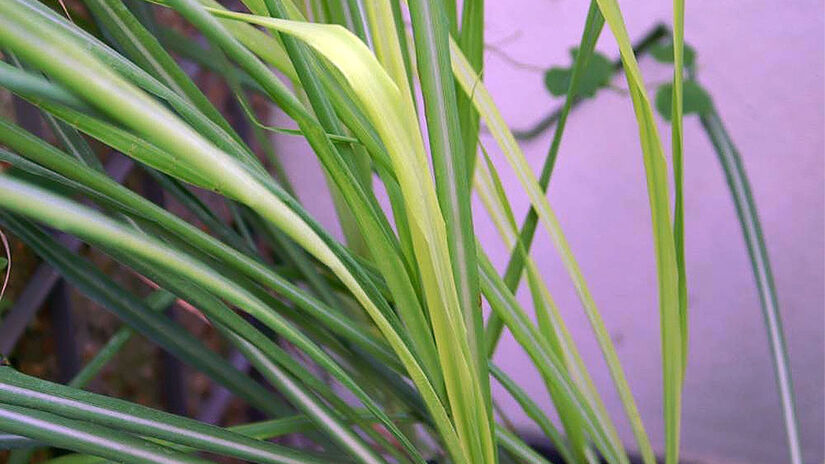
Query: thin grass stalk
[155,327]
[198,147]
[667,265]
[742,195]
[491,192]
[24,391]
[543,357]
[223,171]
[88,438]
[306,70]
[399,132]
[127,202]
[301,388]
[367,210]
[677,149]
[515,266]
[535,413]
[387,43]
[510,442]
[141,46]
[471,41]
[484,104]
[550,322]
[48,19]
[122,242]
[430,31]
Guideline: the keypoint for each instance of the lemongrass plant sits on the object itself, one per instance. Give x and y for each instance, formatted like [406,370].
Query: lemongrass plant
[392,316]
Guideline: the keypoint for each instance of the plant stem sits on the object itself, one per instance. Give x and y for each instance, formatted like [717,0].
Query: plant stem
[642,46]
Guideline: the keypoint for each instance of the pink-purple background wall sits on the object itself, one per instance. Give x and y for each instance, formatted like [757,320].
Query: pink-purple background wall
[763,64]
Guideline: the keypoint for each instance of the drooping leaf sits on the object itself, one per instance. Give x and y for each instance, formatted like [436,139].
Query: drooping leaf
[376,92]
[742,195]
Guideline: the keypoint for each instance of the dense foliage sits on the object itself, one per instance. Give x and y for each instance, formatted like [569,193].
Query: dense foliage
[391,319]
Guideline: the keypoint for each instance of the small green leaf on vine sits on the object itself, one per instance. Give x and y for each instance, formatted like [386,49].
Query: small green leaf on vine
[596,75]
[663,53]
[695,99]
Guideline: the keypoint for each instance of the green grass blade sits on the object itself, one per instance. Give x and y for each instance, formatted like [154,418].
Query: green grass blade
[545,360]
[663,238]
[127,202]
[87,438]
[319,413]
[515,266]
[387,44]
[398,128]
[29,85]
[404,292]
[365,208]
[515,446]
[491,192]
[404,40]
[158,302]
[145,50]
[128,144]
[678,176]
[48,19]
[293,424]
[471,41]
[534,412]
[189,49]
[550,322]
[431,35]
[291,378]
[484,103]
[306,68]
[94,227]
[69,137]
[740,189]
[88,77]
[263,430]
[95,285]
[24,391]
[268,48]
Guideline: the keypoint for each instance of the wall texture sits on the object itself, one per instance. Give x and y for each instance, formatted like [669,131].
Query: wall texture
[763,63]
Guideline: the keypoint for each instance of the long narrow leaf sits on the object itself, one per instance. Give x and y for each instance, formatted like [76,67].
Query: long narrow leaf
[667,263]
[173,338]
[743,200]
[24,391]
[431,34]
[678,176]
[515,157]
[88,438]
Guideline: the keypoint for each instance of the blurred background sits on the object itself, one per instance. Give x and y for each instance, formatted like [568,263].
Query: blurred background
[762,64]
